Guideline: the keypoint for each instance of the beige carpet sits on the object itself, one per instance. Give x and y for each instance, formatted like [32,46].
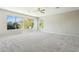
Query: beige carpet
[39,42]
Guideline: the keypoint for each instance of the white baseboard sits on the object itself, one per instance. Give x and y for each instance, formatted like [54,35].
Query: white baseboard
[62,34]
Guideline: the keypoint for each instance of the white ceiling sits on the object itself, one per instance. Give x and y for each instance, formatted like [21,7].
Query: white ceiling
[34,12]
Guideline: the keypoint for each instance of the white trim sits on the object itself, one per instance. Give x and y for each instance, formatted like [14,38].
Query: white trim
[62,34]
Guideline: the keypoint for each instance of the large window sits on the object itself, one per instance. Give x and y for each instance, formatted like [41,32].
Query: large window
[14,22]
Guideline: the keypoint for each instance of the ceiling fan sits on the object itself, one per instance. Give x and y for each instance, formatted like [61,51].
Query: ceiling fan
[41,10]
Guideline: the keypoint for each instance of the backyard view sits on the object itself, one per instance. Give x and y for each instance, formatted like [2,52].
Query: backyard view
[14,22]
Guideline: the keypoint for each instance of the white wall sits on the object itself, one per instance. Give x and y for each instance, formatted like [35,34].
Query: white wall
[3,18]
[65,23]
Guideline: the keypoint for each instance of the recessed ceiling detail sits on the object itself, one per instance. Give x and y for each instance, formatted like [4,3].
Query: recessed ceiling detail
[40,11]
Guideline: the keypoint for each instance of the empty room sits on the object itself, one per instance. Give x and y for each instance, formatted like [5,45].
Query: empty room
[39,29]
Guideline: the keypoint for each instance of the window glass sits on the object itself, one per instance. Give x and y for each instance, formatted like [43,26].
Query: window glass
[14,22]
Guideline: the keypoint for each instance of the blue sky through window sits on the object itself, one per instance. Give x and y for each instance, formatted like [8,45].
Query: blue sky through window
[19,20]
[11,19]
[14,19]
